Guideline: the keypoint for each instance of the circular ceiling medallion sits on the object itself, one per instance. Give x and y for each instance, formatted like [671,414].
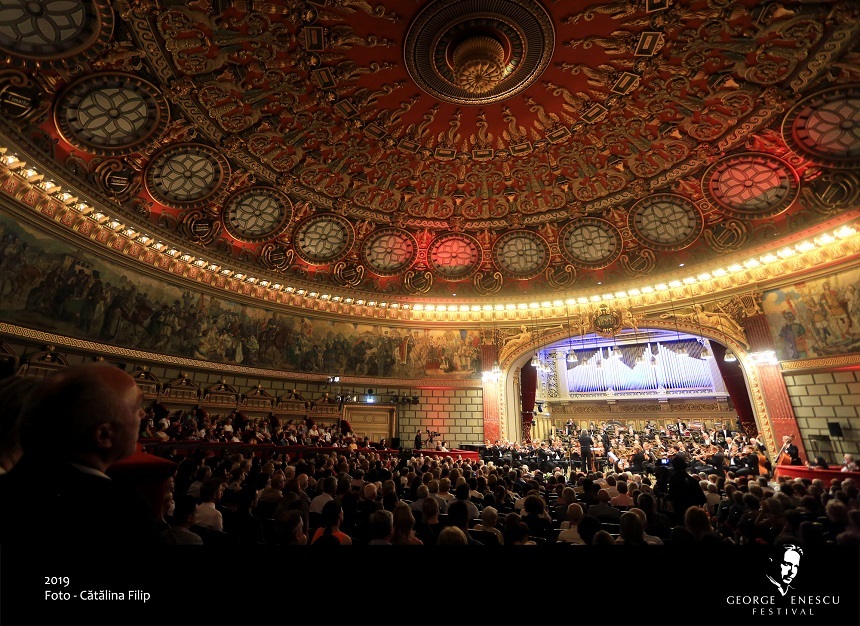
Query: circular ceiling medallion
[521,254]
[49,30]
[478,51]
[389,251]
[751,185]
[112,114]
[665,221]
[257,214]
[825,127]
[323,239]
[455,256]
[186,175]
[590,243]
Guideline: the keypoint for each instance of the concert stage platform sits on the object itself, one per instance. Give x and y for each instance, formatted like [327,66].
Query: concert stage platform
[468,455]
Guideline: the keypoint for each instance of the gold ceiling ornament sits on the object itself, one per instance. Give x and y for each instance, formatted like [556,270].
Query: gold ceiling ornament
[606,322]
[479,64]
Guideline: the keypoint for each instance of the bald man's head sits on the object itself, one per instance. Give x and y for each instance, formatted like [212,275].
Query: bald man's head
[88,414]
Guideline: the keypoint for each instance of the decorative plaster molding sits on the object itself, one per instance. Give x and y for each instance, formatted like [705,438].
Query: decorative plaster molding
[829,362]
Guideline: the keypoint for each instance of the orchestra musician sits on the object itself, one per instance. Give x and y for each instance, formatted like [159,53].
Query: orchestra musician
[650,462]
[724,437]
[717,460]
[637,460]
[789,454]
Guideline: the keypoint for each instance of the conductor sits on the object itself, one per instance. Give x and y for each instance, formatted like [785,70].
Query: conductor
[585,444]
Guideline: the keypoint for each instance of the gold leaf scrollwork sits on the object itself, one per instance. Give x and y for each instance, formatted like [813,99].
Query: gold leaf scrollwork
[117,178]
[561,276]
[21,99]
[641,261]
[348,274]
[417,282]
[487,283]
[606,322]
[276,257]
[726,236]
[832,192]
[200,226]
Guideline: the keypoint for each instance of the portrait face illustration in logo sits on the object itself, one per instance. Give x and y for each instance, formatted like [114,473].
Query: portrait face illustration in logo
[783,568]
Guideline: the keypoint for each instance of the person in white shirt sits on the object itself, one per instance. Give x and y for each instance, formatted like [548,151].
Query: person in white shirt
[207,515]
[329,489]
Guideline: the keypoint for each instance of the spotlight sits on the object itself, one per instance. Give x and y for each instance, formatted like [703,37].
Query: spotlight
[414,399]
[395,399]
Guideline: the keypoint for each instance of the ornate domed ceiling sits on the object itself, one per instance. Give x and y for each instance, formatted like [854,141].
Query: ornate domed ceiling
[479,147]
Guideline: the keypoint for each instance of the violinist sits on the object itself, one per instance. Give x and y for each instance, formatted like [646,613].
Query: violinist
[748,463]
[717,460]
[637,460]
[650,456]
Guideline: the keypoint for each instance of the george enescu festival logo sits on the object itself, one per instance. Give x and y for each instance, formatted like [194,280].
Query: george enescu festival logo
[781,571]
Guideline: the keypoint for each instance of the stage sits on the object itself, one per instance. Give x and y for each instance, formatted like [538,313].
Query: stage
[467,455]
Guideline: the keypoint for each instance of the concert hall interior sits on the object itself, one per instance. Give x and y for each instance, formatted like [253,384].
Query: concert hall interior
[471,227]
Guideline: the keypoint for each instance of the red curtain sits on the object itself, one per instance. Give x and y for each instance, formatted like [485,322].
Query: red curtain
[528,381]
[736,385]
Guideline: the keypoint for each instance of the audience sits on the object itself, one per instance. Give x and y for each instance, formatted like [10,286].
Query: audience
[73,426]
[60,435]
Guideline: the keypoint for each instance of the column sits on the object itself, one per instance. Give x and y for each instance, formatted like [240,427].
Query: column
[561,375]
[772,384]
[492,396]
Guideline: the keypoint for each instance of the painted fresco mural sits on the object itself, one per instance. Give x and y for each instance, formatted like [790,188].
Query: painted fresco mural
[816,318]
[53,286]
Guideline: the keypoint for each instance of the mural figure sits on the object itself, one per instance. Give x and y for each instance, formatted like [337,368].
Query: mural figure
[46,283]
[815,318]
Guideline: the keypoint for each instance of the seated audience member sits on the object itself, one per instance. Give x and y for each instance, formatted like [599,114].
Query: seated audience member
[536,517]
[851,534]
[489,519]
[570,527]
[452,536]
[332,516]
[603,510]
[404,526]
[651,540]
[588,527]
[848,464]
[14,391]
[521,535]
[208,515]
[603,538]
[461,492]
[74,425]
[458,515]
[179,533]
[430,528]
[380,527]
[290,528]
[819,463]
[623,498]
